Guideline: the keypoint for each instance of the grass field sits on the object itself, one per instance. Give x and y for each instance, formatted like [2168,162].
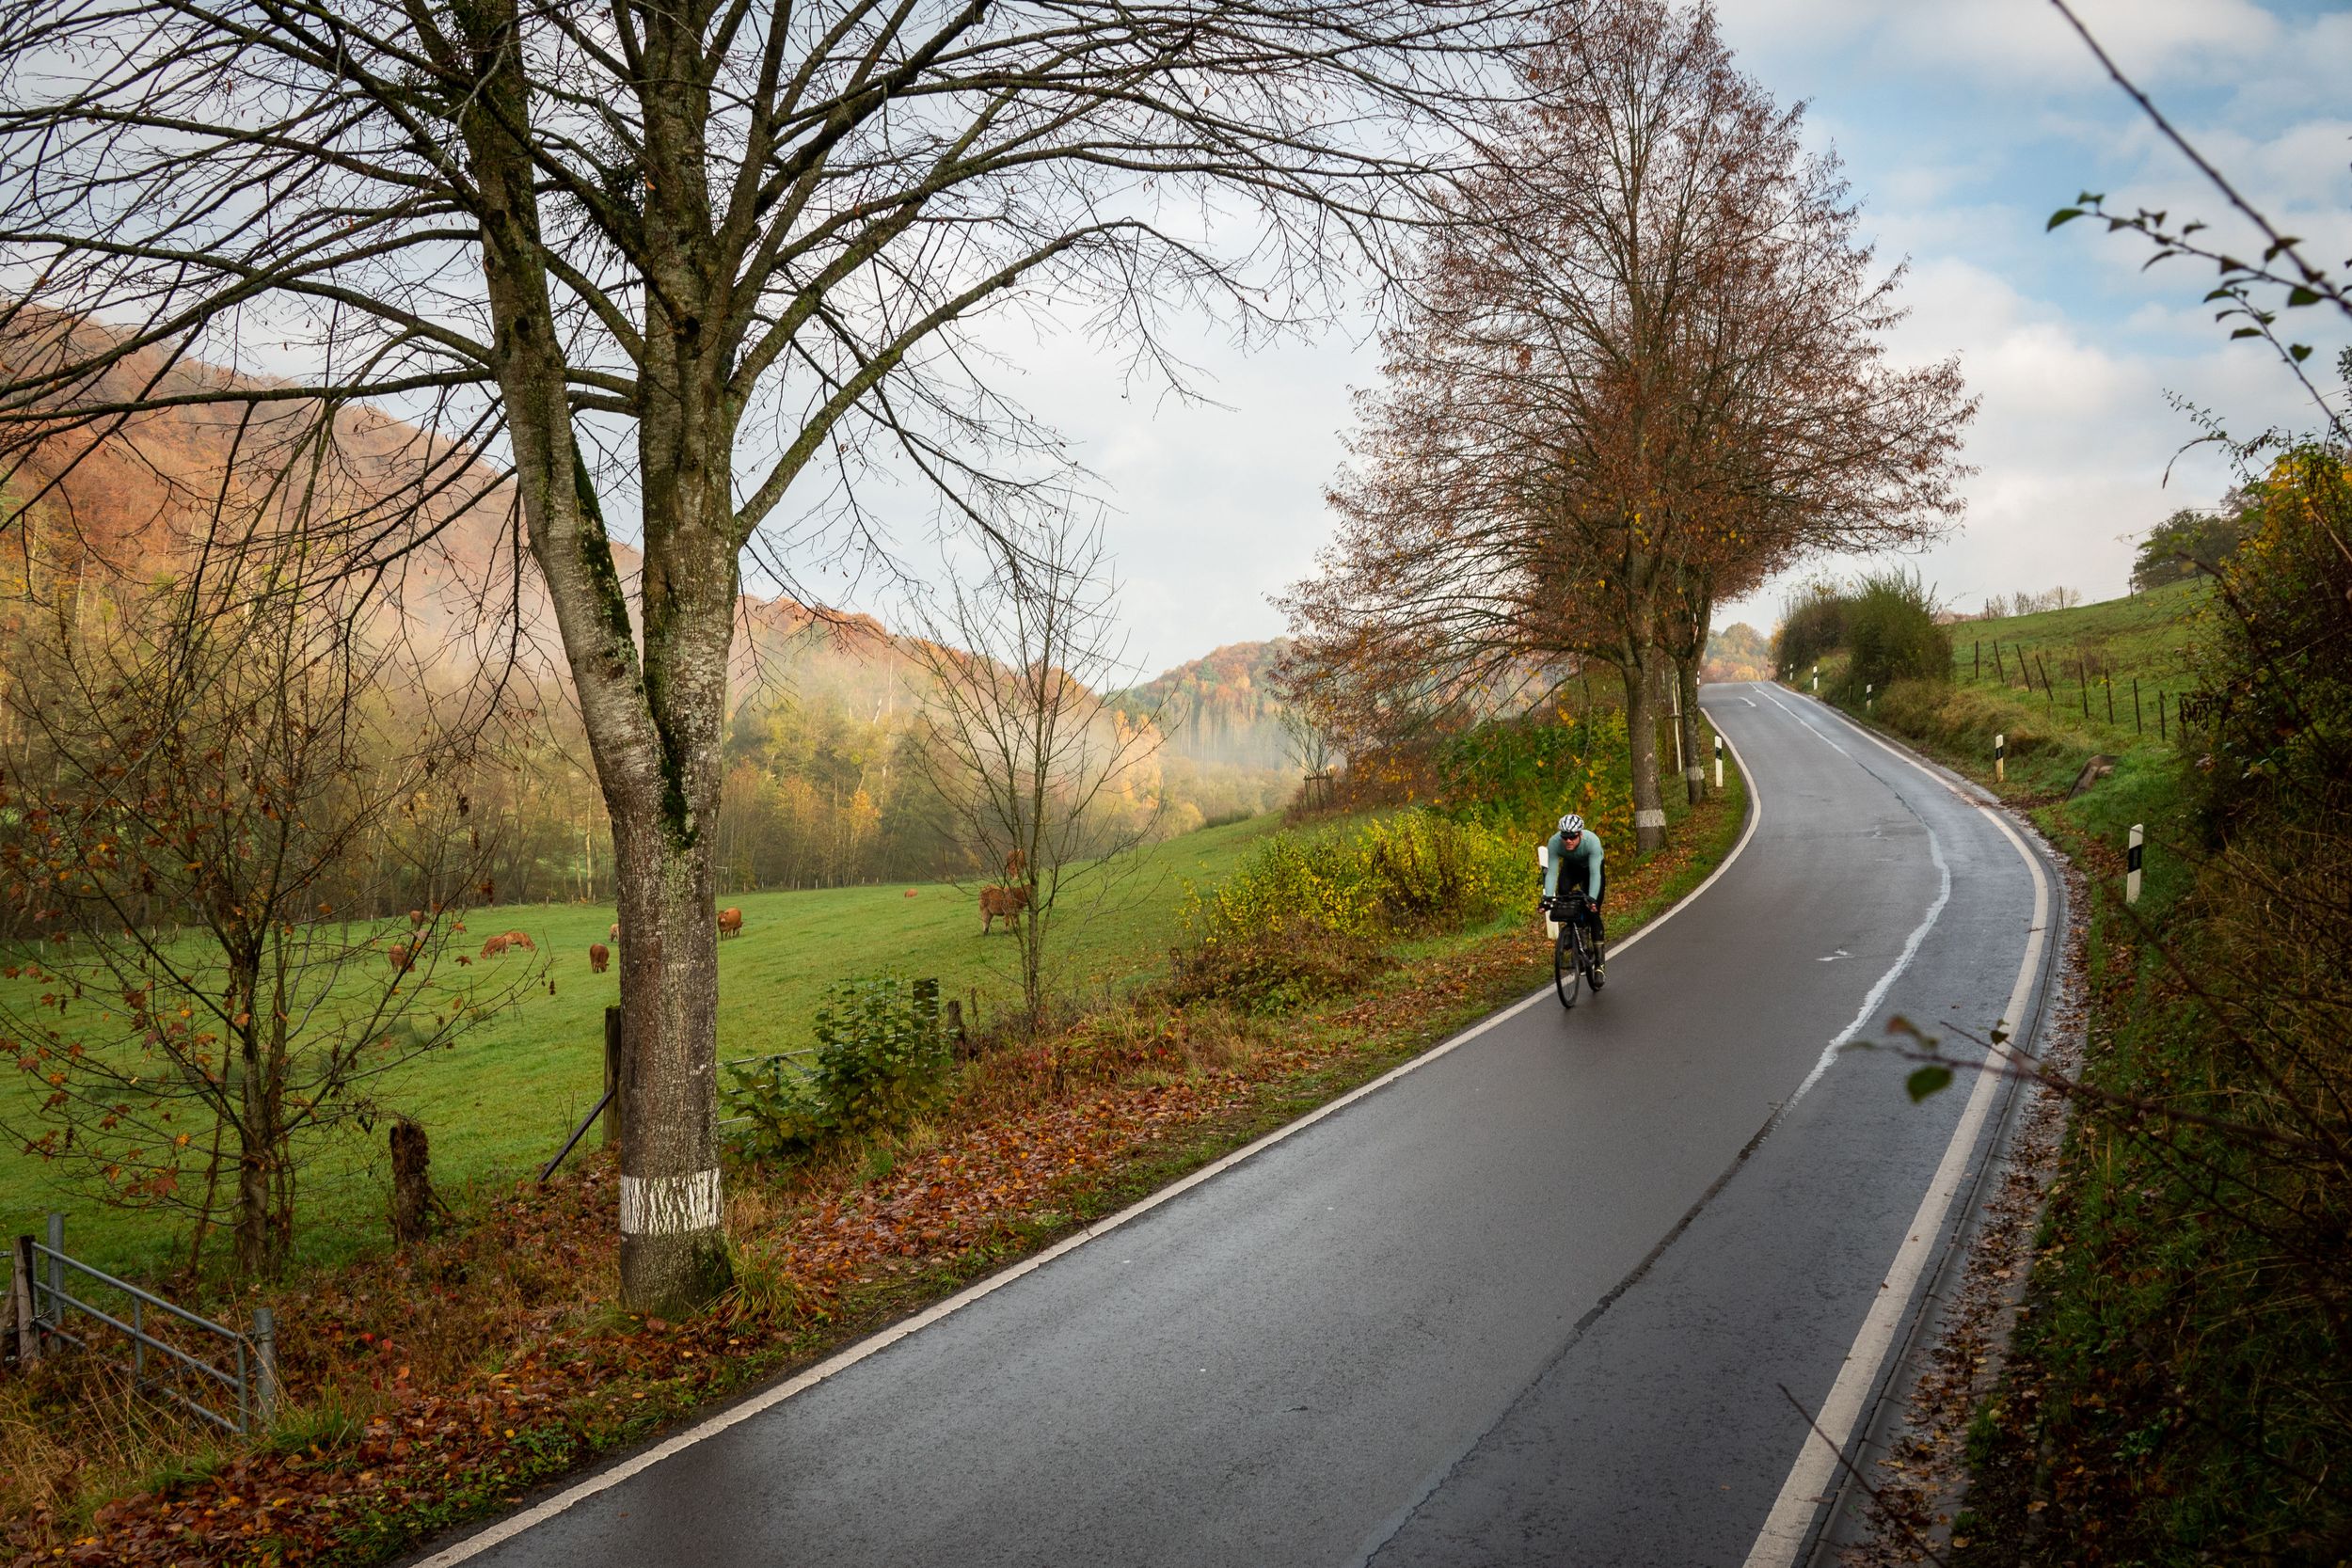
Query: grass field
[2093,655]
[502,1100]
[2116,669]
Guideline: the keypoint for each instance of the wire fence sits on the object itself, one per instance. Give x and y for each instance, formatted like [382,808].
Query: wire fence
[2087,684]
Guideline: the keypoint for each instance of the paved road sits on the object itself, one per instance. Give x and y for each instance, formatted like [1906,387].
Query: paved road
[1531,1302]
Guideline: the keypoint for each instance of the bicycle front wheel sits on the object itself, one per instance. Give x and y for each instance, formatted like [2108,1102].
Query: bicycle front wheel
[1567,974]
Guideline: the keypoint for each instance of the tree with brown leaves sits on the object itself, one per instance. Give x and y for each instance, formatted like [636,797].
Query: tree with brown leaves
[1643,367]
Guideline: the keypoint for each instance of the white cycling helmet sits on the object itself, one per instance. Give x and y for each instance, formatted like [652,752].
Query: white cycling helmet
[1571,826]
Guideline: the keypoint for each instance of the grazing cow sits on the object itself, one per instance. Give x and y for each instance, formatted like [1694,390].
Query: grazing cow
[730,923]
[1001,901]
[518,939]
[598,956]
[463,961]
[913,893]
[614,934]
[404,956]
[493,947]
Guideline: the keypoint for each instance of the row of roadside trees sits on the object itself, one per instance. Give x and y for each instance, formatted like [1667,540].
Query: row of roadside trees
[1643,367]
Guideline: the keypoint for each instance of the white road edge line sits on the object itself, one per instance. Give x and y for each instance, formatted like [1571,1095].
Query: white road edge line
[539,1513]
[1811,1478]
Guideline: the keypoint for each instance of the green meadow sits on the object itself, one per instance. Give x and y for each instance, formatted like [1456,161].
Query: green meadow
[499,1101]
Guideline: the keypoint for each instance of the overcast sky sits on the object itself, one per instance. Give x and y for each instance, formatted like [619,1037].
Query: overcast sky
[1963,124]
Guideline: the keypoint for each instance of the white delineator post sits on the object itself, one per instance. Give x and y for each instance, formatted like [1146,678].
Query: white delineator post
[1719,762]
[2000,757]
[1543,860]
[1868,700]
[1816,680]
[2133,852]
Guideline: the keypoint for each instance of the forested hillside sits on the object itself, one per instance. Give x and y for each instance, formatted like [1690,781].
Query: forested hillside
[1220,708]
[825,782]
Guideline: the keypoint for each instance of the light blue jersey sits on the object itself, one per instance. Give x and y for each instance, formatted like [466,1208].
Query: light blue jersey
[1585,857]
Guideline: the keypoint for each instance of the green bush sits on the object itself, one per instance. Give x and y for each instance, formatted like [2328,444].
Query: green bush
[1520,775]
[881,1054]
[1891,632]
[1812,623]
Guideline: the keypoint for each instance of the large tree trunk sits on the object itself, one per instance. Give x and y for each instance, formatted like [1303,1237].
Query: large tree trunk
[673,1250]
[1694,761]
[1641,733]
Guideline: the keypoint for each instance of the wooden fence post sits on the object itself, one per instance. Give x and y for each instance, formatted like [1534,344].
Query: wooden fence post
[2137,728]
[20,1303]
[613,1077]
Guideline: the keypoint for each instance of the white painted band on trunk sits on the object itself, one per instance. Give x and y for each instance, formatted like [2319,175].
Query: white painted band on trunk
[1813,1478]
[1649,819]
[670,1205]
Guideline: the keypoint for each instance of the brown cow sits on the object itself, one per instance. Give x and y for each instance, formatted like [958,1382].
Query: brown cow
[404,956]
[493,947]
[518,939]
[1005,901]
[913,893]
[730,923]
[1015,863]
[614,934]
[416,917]
[598,956]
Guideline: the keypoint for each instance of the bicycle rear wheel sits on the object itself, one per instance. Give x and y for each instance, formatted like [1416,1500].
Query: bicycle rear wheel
[1568,972]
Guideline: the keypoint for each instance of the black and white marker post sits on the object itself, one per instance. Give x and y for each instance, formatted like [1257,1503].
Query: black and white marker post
[2133,853]
[1719,763]
[2000,757]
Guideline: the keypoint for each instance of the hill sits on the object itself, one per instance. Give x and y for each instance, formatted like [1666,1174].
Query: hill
[1220,709]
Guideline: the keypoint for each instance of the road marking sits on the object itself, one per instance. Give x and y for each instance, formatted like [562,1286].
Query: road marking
[1811,1478]
[1887,981]
[604,1481]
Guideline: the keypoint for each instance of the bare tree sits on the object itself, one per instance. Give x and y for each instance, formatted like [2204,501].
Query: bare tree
[210,802]
[718,261]
[1038,769]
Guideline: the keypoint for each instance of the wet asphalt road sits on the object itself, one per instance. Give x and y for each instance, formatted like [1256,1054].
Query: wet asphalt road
[1532,1303]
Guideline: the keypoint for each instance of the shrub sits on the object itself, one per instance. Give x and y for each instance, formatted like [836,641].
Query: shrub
[880,1054]
[1411,870]
[1812,622]
[1522,774]
[1270,971]
[1891,632]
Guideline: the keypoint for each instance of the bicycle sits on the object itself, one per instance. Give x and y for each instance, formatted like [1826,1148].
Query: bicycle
[1572,957]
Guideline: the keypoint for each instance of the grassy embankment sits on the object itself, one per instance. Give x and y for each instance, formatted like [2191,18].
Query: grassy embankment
[2141,1418]
[502,1100]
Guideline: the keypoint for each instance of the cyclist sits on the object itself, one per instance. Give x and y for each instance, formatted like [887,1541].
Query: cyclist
[1577,845]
